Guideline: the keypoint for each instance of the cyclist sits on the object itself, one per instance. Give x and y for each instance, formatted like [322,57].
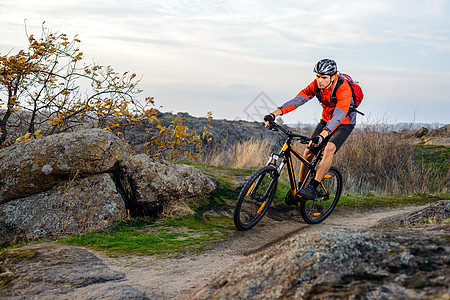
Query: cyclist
[335,126]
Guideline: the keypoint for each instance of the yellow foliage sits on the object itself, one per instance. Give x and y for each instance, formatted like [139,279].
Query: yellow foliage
[44,80]
[26,137]
[37,134]
[29,136]
[177,141]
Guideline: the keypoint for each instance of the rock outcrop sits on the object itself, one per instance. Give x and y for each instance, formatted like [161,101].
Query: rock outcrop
[76,182]
[54,271]
[151,184]
[432,214]
[90,203]
[400,263]
[415,133]
[444,131]
[342,264]
[32,167]
[438,137]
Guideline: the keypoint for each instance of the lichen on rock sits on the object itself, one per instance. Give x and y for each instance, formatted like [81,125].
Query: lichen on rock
[85,180]
[54,271]
[77,206]
[35,166]
[152,184]
[340,264]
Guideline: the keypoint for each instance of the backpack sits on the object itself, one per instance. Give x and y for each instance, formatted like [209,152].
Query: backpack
[357,92]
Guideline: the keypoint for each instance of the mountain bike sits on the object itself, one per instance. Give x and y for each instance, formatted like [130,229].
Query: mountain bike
[258,192]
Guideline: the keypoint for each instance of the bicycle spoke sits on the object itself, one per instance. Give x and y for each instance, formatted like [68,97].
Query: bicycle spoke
[317,210]
[255,198]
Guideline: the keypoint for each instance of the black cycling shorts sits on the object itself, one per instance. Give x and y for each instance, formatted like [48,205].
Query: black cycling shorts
[337,137]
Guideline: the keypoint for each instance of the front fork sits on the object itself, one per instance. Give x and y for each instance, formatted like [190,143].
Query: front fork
[273,161]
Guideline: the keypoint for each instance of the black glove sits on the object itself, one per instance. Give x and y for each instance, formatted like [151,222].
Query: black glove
[269,118]
[317,140]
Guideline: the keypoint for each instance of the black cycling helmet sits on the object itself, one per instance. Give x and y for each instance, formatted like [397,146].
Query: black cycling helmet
[326,67]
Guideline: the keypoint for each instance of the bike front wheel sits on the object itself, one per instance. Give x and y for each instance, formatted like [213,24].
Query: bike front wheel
[255,198]
[317,210]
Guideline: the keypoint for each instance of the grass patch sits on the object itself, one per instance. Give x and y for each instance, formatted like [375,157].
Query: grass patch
[4,247]
[392,201]
[148,237]
[435,156]
[226,194]
[225,175]
[280,194]
[349,201]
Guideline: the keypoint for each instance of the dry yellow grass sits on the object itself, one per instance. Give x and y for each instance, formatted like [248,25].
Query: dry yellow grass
[249,154]
[371,160]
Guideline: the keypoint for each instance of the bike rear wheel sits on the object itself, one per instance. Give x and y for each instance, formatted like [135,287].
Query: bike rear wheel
[315,211]
[255,198]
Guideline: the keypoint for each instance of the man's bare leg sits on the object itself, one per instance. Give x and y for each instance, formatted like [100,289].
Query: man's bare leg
[326,162]
[310,192]
[308,155]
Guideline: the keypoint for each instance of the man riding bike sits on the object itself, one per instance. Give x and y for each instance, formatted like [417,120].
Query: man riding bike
[338,120]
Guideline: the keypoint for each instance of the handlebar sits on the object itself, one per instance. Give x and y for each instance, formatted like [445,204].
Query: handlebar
[302,139]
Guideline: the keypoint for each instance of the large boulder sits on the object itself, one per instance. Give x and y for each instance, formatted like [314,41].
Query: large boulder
[82,181]
[77,206]
[35,166]
[54,271]
[151,184]
[341,264]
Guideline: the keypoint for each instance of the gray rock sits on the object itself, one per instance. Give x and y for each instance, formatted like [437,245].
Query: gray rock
[77,206]
[35,166]
[54,271]
[444,131]
[115,291]
[416,133]
[63,184]
[341,264]
[432,214]
[151,184]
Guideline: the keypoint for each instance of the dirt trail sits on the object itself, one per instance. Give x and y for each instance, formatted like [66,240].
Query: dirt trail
[171,278]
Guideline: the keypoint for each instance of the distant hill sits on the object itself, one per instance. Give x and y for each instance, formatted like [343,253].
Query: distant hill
[412,126]
[389,127]
[225,132]
[228,132]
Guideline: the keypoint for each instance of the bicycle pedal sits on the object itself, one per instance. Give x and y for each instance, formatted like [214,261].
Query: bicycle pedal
[322,197]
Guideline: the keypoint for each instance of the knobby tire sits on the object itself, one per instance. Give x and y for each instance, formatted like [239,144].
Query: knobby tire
[330,189]
[255,198]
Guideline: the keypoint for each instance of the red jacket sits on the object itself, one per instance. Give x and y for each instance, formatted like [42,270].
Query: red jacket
[334,115]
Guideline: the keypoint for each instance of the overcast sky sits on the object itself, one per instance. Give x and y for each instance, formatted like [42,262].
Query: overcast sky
[238,59]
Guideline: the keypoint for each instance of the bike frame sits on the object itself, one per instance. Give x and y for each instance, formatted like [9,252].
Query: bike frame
[286,154]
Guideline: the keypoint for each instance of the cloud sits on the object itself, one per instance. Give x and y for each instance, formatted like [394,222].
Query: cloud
[256,28]
[207,49]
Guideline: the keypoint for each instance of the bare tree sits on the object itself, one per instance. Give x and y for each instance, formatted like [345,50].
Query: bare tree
[47,89]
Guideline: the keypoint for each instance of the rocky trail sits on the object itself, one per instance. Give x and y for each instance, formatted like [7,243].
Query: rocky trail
[175,277]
